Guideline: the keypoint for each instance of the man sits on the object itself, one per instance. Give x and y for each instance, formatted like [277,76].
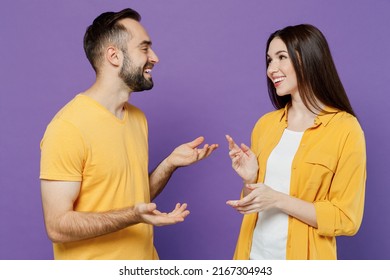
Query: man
[95,186]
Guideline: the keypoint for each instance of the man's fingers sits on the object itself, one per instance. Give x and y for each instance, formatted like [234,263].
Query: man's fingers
[195,143]
[156,212]
[210,149]
[202,152]
[179,210]
[148,208]
[206,151]
[178,207]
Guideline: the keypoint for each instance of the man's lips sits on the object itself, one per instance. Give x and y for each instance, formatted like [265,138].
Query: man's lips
[148,68]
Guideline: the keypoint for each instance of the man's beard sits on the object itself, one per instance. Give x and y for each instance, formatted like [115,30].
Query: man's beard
[134,77]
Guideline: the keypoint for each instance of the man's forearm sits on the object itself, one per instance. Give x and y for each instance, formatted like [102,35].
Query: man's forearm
[160,177]
[75,226]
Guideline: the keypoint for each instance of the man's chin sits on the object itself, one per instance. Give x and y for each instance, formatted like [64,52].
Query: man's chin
[148,85]
[143,88]
[141,84]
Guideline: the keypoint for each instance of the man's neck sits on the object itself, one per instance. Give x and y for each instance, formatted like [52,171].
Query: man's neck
[109,95]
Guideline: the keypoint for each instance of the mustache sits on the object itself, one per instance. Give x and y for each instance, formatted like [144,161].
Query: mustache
[149,65]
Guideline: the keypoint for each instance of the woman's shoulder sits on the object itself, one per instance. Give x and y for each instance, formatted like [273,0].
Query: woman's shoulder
[271,117]
[346,122]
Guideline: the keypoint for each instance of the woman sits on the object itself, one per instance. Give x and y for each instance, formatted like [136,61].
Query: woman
[304,176]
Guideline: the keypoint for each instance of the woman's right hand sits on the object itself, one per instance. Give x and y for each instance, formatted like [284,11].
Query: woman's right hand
[244,161]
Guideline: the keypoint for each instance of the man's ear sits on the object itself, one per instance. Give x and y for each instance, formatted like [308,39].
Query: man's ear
[113,56]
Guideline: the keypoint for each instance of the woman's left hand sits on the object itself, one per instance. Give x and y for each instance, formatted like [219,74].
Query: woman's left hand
[260,198]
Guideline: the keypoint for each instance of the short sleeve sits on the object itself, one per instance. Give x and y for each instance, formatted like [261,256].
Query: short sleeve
[62,152]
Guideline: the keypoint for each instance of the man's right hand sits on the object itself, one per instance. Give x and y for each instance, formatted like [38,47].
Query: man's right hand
[64,224]
[149,214]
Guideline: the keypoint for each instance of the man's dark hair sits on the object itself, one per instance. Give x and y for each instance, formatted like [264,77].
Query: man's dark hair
[106,29]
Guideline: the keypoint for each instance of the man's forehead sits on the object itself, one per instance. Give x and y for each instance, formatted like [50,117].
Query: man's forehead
[135,29]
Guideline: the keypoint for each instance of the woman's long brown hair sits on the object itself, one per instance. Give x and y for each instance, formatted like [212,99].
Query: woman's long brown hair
[316,72]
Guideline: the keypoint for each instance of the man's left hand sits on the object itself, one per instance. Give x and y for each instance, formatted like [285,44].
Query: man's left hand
[189,153]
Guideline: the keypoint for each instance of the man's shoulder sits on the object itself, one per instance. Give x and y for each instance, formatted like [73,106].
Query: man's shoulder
[71,110]
[68,120]
[135,111]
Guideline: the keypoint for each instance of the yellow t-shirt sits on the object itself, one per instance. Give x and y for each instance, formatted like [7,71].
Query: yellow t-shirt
[329,169]
[85,142]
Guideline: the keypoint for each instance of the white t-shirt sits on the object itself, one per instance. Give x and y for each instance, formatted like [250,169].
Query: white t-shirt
[270,234]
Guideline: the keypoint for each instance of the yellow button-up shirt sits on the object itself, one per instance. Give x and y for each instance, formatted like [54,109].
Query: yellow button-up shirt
[329,170]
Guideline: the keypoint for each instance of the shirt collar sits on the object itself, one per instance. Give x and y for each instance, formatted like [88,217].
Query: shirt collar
[323,118]
[283,117]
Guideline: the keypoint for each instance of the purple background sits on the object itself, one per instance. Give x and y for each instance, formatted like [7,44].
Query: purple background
[210,81]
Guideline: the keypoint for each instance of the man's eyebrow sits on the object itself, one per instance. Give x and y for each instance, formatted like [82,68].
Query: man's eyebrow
[145,42]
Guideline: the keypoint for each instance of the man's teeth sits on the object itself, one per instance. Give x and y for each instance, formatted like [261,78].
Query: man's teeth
[148,71]
[279,79]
